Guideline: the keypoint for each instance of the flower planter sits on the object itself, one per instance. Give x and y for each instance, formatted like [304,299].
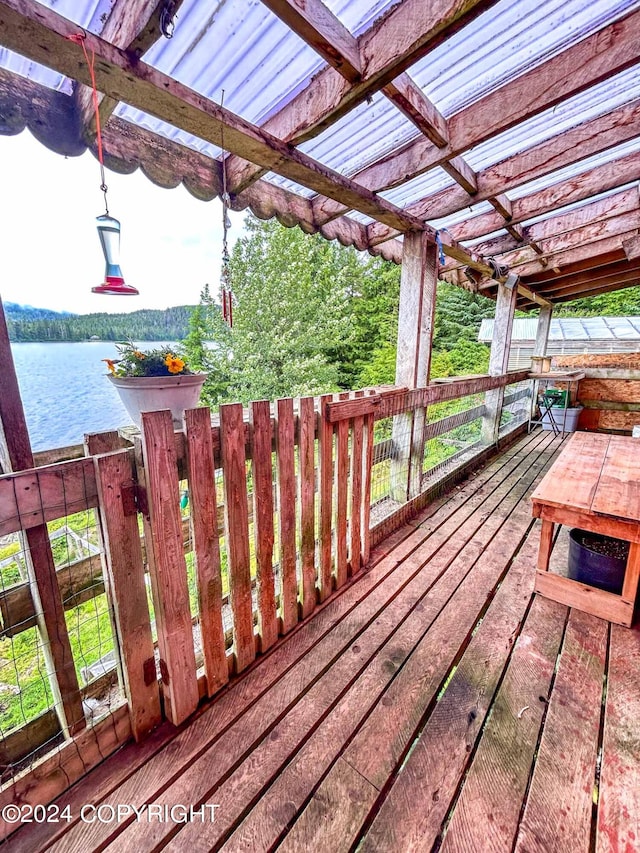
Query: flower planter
[154,393]
[597,560]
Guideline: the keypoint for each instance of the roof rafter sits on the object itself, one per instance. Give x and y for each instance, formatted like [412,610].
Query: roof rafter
[597,211]
[589,138]
[43,36]
[590,61]
[323,31]
[405,34]
[590,255]
[592,182]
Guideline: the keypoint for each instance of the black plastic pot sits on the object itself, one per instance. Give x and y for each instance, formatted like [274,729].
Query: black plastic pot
[589,566]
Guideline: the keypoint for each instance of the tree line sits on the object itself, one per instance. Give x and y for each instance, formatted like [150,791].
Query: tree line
[29,324]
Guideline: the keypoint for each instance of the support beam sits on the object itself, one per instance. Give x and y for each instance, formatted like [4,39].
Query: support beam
[499,360]
[415,332]
[592,182]
[593,232]
[591,275]
[589,138]
[42,35]
[631,248]
[393,44]
[588,288]
[133,25]
[16,455]
[322,31]
[584,257]
[540,347]
[316,24]
[587,216]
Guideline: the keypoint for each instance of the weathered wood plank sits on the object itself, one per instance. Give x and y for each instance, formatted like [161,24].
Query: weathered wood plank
[125,571]
[367,461]
[236,523]
[618,827]
[589,183]
[598,602]
[355,524]
[440,756]
[262,472]
[298,780]
[206,544]
[342,488]
[326,498]
[306,457]
[559,805]
[568,483]
[30,498]
[71,762]
[312,831]
[168,567]
[488,809]
[323,31]
[285,439]
[618,489]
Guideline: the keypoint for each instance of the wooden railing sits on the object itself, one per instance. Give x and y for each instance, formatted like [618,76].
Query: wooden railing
[279,517]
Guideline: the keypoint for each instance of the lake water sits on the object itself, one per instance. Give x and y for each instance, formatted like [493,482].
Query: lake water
[65,391]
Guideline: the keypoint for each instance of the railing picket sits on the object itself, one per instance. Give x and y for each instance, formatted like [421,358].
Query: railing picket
[125,570]
[355,544]
[285,435]
[206,544]
[236,518]
[168,567]
[306,456]
[342,483]
[326,498]
[367,463]
[260,419]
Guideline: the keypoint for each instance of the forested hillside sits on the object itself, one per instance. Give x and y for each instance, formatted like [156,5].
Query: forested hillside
[29,324]
[311,316]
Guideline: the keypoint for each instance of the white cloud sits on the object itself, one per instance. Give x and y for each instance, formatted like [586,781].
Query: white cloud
[171,242]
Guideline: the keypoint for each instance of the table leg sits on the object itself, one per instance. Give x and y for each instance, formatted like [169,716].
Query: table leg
[546,543]
[632,574]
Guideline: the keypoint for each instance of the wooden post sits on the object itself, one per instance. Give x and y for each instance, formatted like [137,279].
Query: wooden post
[326,498]
[540,346]
[415,332]
[499,360]
[167,567]
[125,573]
[16,455]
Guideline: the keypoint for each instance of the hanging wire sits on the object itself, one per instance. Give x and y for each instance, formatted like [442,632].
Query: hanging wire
[79,38]
[225,275]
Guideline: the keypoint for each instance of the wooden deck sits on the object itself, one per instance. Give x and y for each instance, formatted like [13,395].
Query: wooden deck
[433,704]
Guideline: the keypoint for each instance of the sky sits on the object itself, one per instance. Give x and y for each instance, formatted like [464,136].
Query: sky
[171,242]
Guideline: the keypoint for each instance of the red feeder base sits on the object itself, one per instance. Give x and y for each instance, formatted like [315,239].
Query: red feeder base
[115,287]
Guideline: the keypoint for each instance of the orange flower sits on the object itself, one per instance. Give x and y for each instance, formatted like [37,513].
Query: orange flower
[174,364]
[139,354]
[110,364]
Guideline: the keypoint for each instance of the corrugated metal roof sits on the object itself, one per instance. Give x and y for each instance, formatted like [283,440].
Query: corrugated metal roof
[571,329]
[241,48]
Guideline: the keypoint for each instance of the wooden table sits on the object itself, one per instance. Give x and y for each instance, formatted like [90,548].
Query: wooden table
[594,484]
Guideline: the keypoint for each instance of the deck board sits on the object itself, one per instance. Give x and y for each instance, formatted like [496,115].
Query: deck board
[407,687]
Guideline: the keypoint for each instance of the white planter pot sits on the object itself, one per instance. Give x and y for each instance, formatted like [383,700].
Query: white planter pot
[154,393]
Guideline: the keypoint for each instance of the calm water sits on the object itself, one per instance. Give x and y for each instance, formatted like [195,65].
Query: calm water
[65,391]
